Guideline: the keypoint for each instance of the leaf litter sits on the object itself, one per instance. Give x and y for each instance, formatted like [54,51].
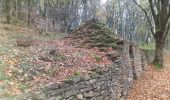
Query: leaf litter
[53,60]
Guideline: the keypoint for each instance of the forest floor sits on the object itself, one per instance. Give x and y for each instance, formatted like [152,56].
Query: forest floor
[14,60]
[24,69]
[154,83]
[29,61]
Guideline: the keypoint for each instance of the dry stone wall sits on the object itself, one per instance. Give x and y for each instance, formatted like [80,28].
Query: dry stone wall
[111,83]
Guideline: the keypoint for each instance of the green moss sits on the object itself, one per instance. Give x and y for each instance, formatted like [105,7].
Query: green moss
[98,71]
[63,98]
[113,45]
[25,66]
[3,76]
[95,34]
[157,65]
[93,75]
[97,57]
[77,73]
[103,41]
[76,77]
[23,86]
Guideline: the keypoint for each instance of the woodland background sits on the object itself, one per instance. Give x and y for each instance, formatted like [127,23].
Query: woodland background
[123,16]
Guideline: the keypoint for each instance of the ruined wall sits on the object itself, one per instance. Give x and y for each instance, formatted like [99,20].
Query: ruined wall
[111,83]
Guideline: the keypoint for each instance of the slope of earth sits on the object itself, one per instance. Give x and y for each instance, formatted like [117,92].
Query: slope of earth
[15,60]
[10,57]
[154,84]
[29,61]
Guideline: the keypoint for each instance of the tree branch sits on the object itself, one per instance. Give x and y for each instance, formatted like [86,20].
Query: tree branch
[149,21]
[167,30]
[169,11]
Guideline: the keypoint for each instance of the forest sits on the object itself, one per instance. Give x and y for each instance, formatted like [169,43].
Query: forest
[47,42]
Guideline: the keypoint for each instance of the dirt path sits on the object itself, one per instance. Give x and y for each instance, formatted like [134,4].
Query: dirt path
[153,85]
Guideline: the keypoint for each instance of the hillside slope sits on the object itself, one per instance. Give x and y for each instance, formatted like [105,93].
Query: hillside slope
[30,61]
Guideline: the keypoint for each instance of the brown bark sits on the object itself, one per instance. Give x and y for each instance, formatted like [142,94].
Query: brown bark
[159,46]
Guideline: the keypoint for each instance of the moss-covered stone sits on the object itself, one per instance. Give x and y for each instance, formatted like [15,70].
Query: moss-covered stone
[98,70]
[93,34]
[74,78]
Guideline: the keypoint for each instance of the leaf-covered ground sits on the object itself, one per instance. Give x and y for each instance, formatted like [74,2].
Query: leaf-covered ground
[154,84]
[46,60]
[11,58]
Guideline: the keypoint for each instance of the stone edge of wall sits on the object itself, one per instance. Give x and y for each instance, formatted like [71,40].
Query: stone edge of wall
[112,83]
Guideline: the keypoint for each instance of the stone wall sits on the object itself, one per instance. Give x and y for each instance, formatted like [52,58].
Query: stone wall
[111,83]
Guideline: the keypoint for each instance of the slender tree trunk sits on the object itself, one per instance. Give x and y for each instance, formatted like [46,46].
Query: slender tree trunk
[85,5]
[28,12]
[8,11]
[29,5]
[16,9]
[46,14]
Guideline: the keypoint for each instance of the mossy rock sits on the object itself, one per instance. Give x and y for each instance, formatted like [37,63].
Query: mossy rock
[98,71]
[93,34]
[74,78]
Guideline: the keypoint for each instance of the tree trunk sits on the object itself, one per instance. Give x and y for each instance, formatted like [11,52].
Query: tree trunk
[159,46]
[8,11]
[160,28]
[16,9]
[85,5]
[28,12]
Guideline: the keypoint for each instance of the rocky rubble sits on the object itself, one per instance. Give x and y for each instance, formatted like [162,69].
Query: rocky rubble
[93,34]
